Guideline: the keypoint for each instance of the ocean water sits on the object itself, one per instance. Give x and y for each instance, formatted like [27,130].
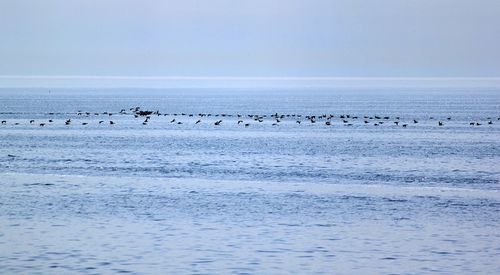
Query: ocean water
[267,198]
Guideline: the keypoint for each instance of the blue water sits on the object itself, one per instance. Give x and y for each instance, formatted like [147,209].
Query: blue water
[205,198]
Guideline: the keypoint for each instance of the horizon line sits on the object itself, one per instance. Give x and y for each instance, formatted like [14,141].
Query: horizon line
[173,77]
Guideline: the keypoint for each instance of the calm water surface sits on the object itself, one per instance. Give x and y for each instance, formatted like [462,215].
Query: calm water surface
[349,197]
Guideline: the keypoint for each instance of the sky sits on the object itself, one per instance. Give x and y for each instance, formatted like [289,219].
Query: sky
[258,38]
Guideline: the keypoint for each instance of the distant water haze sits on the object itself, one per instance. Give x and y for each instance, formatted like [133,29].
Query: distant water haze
[94,81]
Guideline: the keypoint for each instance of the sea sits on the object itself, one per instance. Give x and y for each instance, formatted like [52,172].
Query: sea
[250,181]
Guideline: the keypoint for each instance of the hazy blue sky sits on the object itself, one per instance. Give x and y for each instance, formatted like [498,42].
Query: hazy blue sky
[250,38]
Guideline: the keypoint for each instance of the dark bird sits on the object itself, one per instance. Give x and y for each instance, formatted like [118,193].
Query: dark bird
[111,122]
[172,121]
[404,125]
[415,121]
[101,121]
[42,124]
[240,121]
[247,124]
[440,123]
[4,121]
[32,121]
[218,122]
[198,121]
[84,123]
[490,122]
[328,123]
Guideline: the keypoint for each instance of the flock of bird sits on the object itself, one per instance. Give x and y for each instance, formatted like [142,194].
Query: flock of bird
[327,119]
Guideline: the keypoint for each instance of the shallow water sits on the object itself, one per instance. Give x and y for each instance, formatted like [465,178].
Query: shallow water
[200,198]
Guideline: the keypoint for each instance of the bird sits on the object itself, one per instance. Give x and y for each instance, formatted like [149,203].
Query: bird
[440,123]
[42,124]
[218,122]
[172,121]
[4,121]
[111,122]
[198,121]
[328,123]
